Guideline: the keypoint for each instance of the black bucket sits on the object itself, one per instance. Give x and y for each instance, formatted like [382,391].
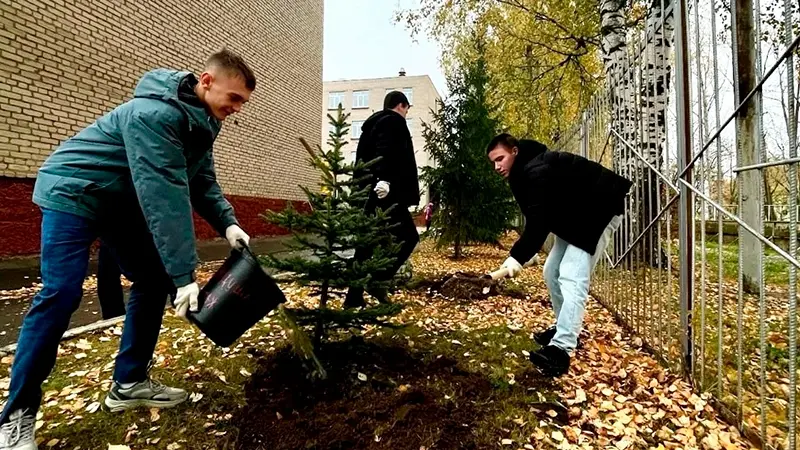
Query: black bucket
[238,295]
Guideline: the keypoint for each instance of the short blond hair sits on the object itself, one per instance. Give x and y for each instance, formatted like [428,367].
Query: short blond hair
[234,64]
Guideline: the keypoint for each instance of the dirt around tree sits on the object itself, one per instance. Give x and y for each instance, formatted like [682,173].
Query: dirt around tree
[375,397]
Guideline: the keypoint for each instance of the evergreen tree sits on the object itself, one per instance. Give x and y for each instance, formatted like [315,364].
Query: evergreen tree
[335,227]
[474,203]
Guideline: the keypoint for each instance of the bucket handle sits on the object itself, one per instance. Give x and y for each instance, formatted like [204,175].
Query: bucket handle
[246,249]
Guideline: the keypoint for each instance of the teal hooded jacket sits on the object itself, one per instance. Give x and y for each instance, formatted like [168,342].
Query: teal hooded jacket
[152,153]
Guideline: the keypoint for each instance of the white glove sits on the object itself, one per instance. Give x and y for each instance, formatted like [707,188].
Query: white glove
[514,267]
[186,299]
[233,233]
[382,189]
[532,262]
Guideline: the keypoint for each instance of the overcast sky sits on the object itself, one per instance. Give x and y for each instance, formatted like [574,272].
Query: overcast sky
[362,41]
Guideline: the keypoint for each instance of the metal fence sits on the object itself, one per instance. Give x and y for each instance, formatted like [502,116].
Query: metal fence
[772,213]
[699,116]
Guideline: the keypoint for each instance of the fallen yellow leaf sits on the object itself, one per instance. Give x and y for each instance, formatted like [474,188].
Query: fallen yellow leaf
[607,406]
[623,443]
[580,396]
[712,441]
[92,408]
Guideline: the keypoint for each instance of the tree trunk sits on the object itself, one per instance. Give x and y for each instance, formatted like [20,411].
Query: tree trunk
[459,232]
[653,99]
[748,141]
[767,198]
[319,328]
[627,97]
[614,46]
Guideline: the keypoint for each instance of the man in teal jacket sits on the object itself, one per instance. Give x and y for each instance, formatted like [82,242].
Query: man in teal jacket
[130,179]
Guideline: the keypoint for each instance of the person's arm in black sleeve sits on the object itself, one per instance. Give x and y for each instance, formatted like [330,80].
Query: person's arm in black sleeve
[536,207]
[534,235]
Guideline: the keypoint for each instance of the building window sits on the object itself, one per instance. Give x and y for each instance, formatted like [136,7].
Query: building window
[335,99]
[356,129]
[360,99]
[410,125]
[409,95]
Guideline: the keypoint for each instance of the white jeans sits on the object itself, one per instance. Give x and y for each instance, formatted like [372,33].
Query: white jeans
[567,273]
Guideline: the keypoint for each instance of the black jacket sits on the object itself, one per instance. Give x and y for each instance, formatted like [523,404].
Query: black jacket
[564,194]
[386,134]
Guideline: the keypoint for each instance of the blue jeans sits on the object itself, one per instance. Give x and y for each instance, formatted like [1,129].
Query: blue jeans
[567,273]
[66,242]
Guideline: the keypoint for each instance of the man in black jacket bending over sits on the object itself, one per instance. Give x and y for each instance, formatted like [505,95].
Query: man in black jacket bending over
[394,183]
[581,203]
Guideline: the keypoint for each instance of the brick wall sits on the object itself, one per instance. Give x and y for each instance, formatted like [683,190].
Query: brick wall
[20,220]
[63,63]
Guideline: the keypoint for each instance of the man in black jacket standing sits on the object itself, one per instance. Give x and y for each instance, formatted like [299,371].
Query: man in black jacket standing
[393,180]
[581,203]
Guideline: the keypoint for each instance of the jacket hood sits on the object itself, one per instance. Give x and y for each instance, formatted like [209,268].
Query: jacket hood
[373,119]
[528,149]
[164,85]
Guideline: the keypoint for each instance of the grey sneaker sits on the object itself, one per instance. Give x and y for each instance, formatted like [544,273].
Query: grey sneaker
[17,433]
[149,393]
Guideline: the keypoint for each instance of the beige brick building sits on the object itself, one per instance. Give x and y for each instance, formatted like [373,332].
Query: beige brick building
[63,63]
[363,97]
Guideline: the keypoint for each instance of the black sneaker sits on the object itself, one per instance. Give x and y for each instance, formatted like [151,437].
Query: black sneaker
[543,338]
[149,393]
[551,360]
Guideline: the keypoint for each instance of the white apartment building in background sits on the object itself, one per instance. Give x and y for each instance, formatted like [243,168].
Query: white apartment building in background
[363,97]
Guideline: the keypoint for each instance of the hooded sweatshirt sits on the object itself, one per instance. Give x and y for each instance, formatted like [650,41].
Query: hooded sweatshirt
[151,156]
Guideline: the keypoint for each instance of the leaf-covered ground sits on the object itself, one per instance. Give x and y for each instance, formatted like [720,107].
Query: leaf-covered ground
[456,377]
[728,352]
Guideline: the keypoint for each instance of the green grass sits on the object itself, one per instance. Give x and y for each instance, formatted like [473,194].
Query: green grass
[186,360]
[189,361]
[776,268]
[498,353]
